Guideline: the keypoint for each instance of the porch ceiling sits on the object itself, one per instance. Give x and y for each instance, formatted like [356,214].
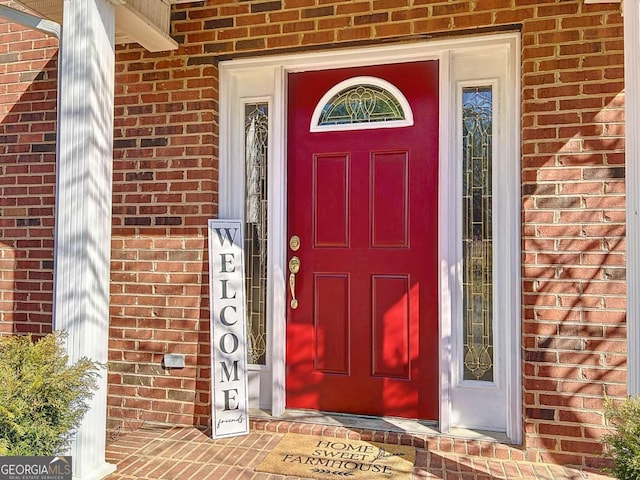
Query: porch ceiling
[146,22]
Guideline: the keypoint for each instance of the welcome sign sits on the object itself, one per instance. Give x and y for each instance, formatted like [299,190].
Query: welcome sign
[230,403]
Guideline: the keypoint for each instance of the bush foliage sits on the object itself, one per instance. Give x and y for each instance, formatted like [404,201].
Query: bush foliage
[42,398]
[623,443]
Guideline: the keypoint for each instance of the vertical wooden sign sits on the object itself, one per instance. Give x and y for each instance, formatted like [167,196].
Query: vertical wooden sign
[229,392]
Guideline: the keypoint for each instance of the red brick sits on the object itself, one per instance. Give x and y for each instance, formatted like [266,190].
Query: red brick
[574,196]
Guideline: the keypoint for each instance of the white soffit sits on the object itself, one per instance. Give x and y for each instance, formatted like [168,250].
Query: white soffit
[146,22]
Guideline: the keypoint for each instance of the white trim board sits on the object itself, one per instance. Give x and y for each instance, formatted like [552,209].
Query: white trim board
[632,149]
[266,77]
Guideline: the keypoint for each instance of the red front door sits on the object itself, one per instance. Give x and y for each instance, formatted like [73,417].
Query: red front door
[364,336]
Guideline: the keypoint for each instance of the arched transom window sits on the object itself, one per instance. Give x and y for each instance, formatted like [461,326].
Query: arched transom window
[361,103]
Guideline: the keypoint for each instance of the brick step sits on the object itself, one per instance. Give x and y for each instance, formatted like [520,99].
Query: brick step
[460,455]
[461,442]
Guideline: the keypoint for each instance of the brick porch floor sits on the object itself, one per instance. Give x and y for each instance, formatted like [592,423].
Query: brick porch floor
[184,453]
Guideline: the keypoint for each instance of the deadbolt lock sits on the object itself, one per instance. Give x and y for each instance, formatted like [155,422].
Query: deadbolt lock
[294,243]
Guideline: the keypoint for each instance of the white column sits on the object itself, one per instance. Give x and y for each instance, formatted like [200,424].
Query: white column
[83,208]
[632,147]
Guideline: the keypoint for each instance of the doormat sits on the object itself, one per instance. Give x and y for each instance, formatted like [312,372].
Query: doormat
[326,458]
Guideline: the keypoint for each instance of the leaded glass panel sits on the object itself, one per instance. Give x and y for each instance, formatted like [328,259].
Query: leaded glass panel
[477,238]
[361,104]
[256,141]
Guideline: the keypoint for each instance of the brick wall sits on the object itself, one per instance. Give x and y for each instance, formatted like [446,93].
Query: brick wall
[573,227]
[165,184]
[28,69]
[573,194]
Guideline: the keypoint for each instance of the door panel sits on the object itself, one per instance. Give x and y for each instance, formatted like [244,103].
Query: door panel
[390,199]
[364,203]
[331,315]
[331,200]
[391,326]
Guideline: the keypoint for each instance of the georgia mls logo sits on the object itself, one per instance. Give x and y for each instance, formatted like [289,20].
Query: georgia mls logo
[60,466]
[35,468]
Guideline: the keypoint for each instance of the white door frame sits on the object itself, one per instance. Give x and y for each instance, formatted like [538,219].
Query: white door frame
[264,79]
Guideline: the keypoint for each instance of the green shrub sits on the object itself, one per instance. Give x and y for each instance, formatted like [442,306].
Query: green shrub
[42,398]
[623,443]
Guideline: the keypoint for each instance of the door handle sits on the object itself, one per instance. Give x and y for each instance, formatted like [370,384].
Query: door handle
[294,267]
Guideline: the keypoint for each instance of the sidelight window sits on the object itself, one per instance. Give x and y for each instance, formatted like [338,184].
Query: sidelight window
[477,235]
[255,217]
